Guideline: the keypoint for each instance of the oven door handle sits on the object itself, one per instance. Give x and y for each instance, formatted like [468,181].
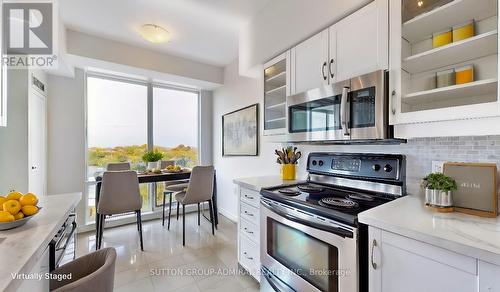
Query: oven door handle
[336,230]
[344,111]
[275,284]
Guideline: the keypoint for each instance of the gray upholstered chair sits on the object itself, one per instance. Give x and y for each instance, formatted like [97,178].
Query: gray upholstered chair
[119,194]
[168,190]
[91,272]
[118,166]
[199,190]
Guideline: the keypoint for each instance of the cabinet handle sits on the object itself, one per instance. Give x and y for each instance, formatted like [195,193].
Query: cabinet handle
[374,265]
[330,68]
[249,258]
[393,102]
[249,197]
[323,71]
[246,230]
[249,214]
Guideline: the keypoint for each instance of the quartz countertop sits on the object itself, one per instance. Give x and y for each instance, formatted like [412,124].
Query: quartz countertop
[260,182]
[469,235]
[22,247]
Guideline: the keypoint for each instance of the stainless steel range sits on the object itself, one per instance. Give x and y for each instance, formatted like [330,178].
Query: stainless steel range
[311,239]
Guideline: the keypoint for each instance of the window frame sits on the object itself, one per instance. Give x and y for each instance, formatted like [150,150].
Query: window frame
[150,84]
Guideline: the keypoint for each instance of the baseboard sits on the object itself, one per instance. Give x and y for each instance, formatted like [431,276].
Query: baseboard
[228,215]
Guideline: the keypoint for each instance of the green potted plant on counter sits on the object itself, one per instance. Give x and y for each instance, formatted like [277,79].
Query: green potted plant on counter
[438,190]
[152,158]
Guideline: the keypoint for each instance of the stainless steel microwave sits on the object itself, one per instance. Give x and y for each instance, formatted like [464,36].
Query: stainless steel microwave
[355,109]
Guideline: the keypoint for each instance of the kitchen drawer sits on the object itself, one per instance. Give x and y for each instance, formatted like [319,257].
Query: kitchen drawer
[250,230]
[250,197]
[249,255]
[249,213]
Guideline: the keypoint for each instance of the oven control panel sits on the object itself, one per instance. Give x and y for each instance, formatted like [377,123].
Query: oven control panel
[378,166]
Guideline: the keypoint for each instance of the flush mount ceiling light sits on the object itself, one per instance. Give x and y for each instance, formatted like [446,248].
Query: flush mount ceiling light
[154,33]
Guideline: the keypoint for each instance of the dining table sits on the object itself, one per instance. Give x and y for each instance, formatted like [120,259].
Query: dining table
[156,178]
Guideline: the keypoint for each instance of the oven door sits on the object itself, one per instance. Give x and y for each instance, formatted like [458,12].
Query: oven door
[315,115]
[368,107]
[307,254]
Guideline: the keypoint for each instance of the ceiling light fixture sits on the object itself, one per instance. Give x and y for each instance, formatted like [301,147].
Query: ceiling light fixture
[154,33]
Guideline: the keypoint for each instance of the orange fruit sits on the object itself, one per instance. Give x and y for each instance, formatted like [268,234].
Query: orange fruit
[6,216]
[28,199]
[29,210]
[14,196]
[2,200]
[12,206]
[19,215]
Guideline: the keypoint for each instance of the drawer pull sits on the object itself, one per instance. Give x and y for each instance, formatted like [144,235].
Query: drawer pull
[374,265]
[249,214]
[251,232]
[249,197]
[248,258]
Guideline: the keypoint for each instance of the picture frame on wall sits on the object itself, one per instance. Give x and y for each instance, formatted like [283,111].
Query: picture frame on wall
[240,132]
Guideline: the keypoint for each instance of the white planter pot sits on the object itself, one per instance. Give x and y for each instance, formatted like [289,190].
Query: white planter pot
[438,198]
[152,165]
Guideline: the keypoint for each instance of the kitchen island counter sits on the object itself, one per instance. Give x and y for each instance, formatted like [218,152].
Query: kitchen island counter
[21,248]
[469,235]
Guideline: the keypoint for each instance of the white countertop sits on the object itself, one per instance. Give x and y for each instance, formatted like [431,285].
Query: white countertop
[469,235]
[259,182]
[22,247]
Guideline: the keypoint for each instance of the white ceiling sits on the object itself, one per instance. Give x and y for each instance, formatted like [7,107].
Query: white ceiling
[201,30]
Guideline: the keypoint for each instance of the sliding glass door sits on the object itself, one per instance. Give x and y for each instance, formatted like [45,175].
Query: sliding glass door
[121,127]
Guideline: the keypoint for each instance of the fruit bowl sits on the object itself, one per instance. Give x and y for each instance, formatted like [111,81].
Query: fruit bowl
[18,222]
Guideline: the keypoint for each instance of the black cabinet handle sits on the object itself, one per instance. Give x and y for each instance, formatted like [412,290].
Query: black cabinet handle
[323,71]
[332,74]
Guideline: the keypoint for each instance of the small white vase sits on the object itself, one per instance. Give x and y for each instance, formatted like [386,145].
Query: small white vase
[152,165]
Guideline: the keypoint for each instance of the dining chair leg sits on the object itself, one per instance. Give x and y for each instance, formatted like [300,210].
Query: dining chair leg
[198,214]
[139,225]
[101,229]
[163,210]
[97,230]
[211,215]
[169,210]
[177,210]
[183,225]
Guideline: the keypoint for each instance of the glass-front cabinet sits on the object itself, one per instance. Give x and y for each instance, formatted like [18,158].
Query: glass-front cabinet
[276,89]
[443,60]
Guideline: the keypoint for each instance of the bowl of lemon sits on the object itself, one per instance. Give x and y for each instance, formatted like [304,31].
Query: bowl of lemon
[16,209]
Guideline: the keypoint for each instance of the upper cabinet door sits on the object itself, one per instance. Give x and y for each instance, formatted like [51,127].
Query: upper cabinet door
[363,41]
[310,63]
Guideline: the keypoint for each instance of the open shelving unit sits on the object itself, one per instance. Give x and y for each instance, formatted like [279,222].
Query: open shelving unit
[420,62]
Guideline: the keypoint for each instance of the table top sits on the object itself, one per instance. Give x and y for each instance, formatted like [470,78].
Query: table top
[158,177]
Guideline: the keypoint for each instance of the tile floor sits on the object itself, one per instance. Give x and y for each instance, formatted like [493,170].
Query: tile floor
[206,263]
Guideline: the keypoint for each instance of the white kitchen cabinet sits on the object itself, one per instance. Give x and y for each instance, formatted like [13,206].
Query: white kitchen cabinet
[310,63]
[414,63]
[249,231]
[276,89]
[398,263]
[362,41]
[489,277]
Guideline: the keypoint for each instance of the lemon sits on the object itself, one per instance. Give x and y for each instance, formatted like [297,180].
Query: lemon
[12,206]
[19,215]
[29,210]
[2,200]
[14,196]
[28,199]
[6,216]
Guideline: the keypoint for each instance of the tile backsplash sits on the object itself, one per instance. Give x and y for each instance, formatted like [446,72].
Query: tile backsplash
[420,152]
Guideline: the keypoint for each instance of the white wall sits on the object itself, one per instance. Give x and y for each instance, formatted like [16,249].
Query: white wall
[205,125]
[14,137]
[66,136]
[237,92]
[285,23]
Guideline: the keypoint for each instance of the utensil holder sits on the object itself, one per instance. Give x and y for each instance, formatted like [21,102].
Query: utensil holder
[288,171]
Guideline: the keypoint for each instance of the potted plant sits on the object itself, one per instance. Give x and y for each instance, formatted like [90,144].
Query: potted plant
[152,158]
[438,189]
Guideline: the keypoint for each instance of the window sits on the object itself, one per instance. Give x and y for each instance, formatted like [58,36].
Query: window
[118,130]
